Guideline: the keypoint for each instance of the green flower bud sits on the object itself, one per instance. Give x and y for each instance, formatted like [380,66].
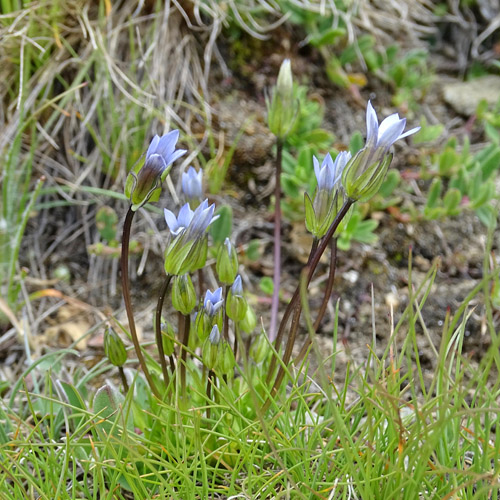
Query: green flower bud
[114,348]
[364,174]
[183,257]
[259,348]
[282,108]
[183,294]
[210,349]
[203,325]
[226,359]
[248,323]
[227,263]
[236,305]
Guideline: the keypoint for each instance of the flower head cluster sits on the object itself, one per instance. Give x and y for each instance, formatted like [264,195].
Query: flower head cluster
[188,250]
[144,184]
[365,173]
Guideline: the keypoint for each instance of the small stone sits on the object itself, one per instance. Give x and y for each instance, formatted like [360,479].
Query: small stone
[464,97]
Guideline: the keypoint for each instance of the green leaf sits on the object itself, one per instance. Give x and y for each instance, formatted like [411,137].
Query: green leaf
[434,194]
[327,37]
[356,143]
[491,163]
[221,228]
[266,285]
[106,222]
[451,201]
[390,183]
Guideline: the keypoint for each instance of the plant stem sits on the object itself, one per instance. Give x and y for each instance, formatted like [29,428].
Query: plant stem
[123,378]
[128,302]
[286,316]
[277,242]
[159,340]
[295,304]
[326,298]
[210,381]
[225,324]
[184,327]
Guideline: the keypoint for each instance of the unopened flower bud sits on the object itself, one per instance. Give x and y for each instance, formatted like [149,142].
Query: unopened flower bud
[259,348]
[248,323]
[226,359]
[236,305]
[183,294]
[192,186]
[210,348]
[114,348]
[227,263]
[282,109]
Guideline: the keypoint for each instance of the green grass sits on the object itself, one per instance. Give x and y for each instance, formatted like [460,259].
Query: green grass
[388,431]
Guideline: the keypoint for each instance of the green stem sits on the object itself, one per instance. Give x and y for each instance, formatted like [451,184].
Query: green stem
[159,339]
[277,242]
[123,378]
[184,327]
[128,303]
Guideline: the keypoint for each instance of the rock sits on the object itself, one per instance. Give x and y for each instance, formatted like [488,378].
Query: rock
[464,97]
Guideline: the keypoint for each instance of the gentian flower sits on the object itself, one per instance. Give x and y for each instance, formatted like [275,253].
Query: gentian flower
[213,301]
[330,172]
[192,185]
[365,173]
[181,222]
[328,196]
[383,136]
[188,250]
[144,184]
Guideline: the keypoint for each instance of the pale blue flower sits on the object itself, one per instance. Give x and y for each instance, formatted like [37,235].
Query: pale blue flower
[144,184]
[192,183]
[213,301]
[162,152]
[194,223]
[330,171]
[388,132]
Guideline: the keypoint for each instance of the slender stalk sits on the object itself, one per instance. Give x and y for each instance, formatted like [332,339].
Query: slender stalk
[326,299]
[123,378]
[286,316]
[159,340]
[277,242]
[128,302]
[225,324]
[294,303]
[184,327]
[210,381]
